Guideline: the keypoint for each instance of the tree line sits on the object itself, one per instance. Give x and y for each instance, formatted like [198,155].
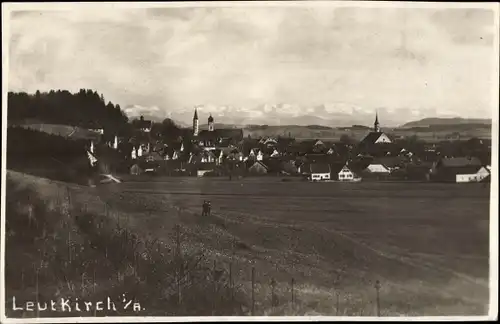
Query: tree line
[85,108]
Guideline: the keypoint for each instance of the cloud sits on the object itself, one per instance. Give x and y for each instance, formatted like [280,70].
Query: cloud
[176,58]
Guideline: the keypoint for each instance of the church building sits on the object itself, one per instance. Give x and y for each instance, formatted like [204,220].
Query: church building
[376,136]
[212,138]
[376,143]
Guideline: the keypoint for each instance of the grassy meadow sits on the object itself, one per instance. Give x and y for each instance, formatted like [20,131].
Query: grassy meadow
[426,243]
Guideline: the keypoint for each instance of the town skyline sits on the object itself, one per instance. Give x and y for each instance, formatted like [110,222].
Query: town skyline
[259,65]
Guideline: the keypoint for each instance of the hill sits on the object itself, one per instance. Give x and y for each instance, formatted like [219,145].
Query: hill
[59,237]
[71,132]
[85,109]
[427,122]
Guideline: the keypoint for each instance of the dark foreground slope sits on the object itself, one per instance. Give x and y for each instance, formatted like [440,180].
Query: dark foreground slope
[426,243]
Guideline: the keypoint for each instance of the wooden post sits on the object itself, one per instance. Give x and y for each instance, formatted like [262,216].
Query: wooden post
[214,304]
[178,287]
[293,297]
[94,285]
[22,278]
[273,284]
[69,246]
[338,303]
[82,287]
[69,197]
[178,242]
[377,288]
[36,290]
[253,291]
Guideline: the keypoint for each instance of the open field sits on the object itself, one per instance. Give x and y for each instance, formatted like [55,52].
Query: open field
[334,134]
[427,243]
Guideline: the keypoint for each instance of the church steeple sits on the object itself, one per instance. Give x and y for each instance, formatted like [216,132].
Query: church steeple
[376,127]
[210,123]
[195,123]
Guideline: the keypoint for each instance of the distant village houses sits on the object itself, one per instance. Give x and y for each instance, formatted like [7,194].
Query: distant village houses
[214,151]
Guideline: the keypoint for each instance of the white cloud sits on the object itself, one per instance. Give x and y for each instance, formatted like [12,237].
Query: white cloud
[175,58]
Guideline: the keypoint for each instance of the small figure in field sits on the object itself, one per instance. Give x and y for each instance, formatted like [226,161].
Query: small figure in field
[204,211]
[209,207]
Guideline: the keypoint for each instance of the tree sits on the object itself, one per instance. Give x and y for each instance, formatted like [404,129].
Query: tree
[346,139]
[84,108]
[169,130]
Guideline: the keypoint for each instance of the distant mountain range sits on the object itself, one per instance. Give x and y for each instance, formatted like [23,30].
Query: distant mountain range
[427,122]
[328,115]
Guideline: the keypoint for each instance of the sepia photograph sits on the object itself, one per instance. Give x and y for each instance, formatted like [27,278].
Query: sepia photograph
[258,160]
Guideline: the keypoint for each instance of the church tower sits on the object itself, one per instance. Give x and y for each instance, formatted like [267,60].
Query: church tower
[376,127]
[195,123]
[210,123]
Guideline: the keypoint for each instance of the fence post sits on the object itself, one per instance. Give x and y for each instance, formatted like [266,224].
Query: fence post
[36,289]
[253,291]
[273,297]
[214,305]
[292,288]
[22,278]
[94,285]
[231,280]
[177,242]
[377,288]
[338,303]
[69,246]
[69,196]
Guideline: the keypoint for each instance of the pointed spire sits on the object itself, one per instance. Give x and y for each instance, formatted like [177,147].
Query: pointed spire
[376,127]
[195,114]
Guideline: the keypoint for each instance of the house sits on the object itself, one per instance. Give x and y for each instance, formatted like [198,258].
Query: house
[97,130]
[255,154]
[233,154]
[275,153]
[258,168]
[144,125]
[341,172]
[135,169]
[268,141]
[204,168]
[319,147]
[171,154]
[319,171]
[153,156]
[92,159]
[377,168]
[472,174]
[391,163]
[459,170]
[218,155]
[303,167]
[208,157]
[331,151]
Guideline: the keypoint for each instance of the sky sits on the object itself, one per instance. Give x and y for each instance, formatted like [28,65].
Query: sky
[407,63]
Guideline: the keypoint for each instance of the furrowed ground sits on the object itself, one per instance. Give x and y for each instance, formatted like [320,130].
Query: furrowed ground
[427,243]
